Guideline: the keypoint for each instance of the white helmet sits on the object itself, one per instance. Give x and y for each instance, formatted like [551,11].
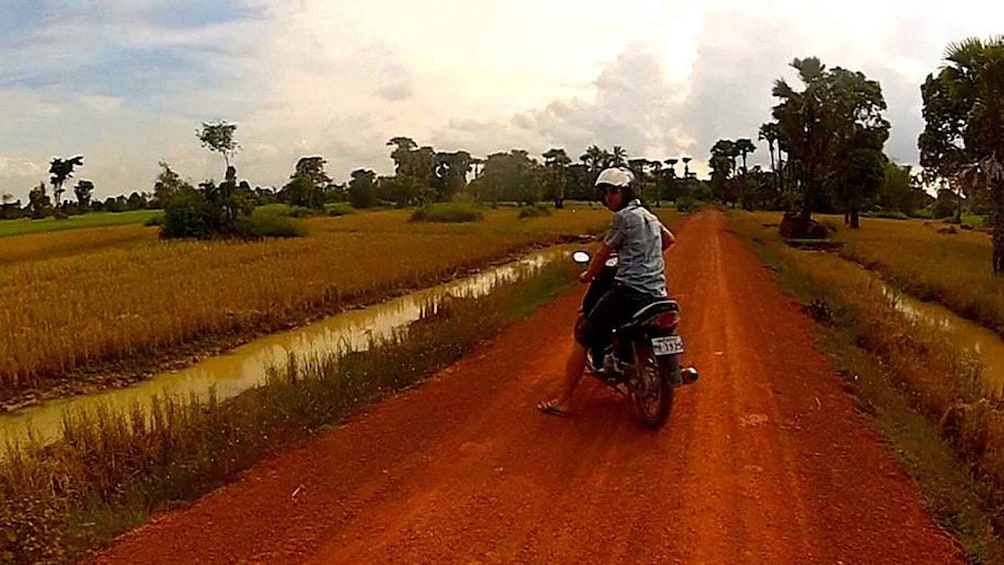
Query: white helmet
[615,176]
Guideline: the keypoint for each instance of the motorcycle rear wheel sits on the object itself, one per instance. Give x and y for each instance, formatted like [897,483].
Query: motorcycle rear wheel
[651,387]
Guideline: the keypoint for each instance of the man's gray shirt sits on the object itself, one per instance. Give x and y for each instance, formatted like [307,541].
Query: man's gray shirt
[636,236]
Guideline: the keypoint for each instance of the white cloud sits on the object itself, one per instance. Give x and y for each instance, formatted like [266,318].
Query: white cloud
[101,104]
[633,105]
[339,78]
[14,167]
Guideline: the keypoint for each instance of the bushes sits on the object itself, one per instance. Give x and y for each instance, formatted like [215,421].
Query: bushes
[225,211]
[340,209]
[187,214]
[300,212]
[265,223]
[538,211]
[454,212]
[794,226]
[830,225]
[687,205]
[887,214]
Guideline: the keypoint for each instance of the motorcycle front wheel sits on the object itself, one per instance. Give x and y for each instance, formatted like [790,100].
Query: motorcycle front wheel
[651,388]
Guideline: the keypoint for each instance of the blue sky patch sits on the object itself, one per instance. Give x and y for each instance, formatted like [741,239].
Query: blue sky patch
[40,57]
[199,13]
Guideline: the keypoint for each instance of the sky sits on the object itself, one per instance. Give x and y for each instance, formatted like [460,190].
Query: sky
[126,83]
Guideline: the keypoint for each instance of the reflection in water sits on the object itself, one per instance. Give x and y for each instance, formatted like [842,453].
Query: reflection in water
[981,343]
[244,367]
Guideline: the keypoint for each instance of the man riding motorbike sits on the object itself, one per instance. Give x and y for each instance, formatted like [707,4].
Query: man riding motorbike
[639,239]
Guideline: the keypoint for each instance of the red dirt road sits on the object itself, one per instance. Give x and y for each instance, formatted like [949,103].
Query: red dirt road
[764,460]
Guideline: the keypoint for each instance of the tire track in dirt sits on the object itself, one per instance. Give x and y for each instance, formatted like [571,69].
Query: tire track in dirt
[764,460]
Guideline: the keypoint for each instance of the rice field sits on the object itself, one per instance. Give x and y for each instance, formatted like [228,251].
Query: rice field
[112,468]
[856,301]
[930,260]
[943,383]
[49,245]
[88,298]
[91,220]
[925,393]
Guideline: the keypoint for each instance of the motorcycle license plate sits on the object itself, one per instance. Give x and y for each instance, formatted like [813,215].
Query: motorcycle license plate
[668,345]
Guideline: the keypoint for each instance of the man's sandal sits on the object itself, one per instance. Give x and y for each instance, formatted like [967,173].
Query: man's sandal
[549,407]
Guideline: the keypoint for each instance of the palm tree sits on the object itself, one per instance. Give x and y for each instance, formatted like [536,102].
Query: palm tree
[744,146]
[672,166]
[593,158]
[477,164]
[783,164]
[656,172]
[732,152]
[964,110]
[83,192]
[800,122]
[671,181]
[723,164]
[618,156]
[555,161]
[61,170]
[637,166]
[768,133]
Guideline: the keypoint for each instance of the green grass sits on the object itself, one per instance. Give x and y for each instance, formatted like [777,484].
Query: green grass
[538,211]
[113,469]
[91,220]
[339,209]
[687,205]
[975,221]
[270,223]
[448,212]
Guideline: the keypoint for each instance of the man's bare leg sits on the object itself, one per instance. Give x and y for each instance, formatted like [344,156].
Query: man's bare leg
[574,368]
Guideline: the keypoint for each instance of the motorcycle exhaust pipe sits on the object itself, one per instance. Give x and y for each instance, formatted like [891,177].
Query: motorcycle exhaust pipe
[688,374]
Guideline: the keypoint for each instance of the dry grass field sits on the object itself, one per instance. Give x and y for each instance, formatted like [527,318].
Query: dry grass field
[93,296]
[930,260]
[943,383]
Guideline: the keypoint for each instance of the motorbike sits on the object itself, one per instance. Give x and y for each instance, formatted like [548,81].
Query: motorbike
[641,359]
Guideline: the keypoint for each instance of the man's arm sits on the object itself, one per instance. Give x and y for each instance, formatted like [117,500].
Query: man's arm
[596,265]
[668,239]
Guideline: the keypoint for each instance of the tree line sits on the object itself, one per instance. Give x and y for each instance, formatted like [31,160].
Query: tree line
[827,137]
[422,175]
[826,144]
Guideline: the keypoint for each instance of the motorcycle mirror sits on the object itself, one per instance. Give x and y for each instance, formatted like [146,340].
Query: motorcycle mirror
[580,257]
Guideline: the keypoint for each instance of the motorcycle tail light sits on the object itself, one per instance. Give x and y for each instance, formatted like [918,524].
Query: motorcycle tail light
[667,320]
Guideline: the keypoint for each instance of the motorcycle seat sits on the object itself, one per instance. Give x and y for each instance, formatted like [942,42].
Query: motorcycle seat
[654,309]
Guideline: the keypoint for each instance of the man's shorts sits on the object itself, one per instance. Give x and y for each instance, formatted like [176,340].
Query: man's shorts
[614,308]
